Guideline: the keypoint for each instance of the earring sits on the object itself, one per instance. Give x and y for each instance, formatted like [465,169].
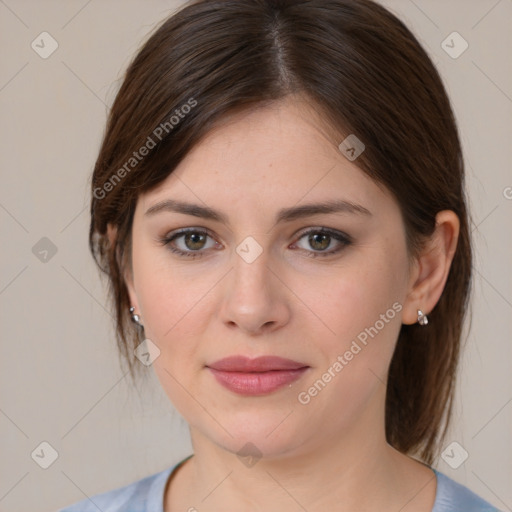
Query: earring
[135,317]
[422,318]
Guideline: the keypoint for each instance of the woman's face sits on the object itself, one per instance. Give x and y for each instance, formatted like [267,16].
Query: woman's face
[255,286]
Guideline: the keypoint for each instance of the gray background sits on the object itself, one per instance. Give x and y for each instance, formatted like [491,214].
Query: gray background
[60,380]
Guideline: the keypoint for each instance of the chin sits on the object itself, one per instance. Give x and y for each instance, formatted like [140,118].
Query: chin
[259,437]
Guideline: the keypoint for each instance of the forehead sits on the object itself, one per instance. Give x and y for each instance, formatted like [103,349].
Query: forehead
[275,156]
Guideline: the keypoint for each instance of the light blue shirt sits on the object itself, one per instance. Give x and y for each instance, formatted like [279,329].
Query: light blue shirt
[147,495]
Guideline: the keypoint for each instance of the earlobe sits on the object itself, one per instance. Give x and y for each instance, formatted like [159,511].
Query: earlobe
[134,303]
[433,267]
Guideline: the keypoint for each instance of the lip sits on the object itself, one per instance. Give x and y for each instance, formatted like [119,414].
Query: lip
[258,376]
[259,364]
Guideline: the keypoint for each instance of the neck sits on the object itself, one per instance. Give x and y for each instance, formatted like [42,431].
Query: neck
[345,471]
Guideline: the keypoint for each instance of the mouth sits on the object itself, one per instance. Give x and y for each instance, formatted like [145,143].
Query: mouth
[258,376]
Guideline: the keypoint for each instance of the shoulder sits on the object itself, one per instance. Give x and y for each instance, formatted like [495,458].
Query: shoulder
[454,497]
[142,495]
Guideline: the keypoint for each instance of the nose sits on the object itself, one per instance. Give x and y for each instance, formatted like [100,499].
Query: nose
[255,299]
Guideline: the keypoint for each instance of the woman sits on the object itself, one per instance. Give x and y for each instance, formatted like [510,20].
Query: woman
[279,207]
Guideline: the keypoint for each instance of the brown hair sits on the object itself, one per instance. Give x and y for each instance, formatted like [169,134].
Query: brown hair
[366,74]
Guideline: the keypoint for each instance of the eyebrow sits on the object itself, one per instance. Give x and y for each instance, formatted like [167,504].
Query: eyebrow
[283,215]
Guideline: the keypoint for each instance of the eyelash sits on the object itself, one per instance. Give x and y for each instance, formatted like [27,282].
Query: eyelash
[340,237]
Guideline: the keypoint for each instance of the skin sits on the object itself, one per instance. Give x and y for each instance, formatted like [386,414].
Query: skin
[199,310]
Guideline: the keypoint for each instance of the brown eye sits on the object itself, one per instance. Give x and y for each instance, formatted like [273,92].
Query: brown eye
[192,242]
[321,239]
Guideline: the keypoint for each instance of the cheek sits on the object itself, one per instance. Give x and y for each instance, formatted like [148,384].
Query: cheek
[159,293]
[358,296]
[157,297]
[363,308]
[173,303]
[172,311]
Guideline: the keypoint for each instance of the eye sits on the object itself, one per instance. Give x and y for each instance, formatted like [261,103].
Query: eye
[193,241]
[321,238]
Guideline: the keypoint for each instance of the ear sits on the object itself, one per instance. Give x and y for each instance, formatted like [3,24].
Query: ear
[125,268]
[431,268]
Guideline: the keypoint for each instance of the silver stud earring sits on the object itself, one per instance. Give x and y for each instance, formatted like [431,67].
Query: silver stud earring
[422,318]
[135,317]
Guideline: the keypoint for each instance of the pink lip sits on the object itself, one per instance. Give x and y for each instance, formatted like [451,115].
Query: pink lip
[260,364]
[256,376]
